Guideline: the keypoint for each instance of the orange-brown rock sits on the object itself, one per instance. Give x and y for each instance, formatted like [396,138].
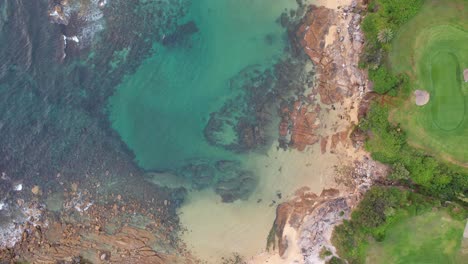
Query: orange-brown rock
[337,138]
[301,122]
[312,33]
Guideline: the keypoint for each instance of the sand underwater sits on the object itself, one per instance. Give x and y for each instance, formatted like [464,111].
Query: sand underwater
[183,94]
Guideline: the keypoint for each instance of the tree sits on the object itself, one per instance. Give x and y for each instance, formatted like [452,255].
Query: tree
[385,35]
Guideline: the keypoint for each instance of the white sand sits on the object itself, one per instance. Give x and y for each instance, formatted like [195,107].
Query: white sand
[332,4]
[218,229]
[292,255]
[421,97]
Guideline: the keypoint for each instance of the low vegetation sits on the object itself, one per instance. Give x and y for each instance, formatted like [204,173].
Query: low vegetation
[433,53]
[412,167]
[385,212]
[432,190]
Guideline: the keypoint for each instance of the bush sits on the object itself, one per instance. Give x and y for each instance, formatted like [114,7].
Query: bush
[397,12]
[335,260]
[386,140]
[350,242]
[384,16]
[423,169]
[384,81]
[399,172]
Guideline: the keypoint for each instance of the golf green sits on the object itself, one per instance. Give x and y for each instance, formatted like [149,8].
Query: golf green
[433,52]
[448,107]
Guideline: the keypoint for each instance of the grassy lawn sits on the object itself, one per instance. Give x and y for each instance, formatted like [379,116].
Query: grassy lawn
[433,237]
[432,49]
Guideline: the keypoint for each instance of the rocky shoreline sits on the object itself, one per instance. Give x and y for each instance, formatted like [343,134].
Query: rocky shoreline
[327,115]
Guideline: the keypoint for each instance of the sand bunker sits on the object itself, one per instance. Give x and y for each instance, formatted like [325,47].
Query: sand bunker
[422,97]
[465,75]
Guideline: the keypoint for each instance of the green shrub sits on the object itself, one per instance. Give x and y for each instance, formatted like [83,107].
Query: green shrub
[383,80]
[386,140]
[335,260]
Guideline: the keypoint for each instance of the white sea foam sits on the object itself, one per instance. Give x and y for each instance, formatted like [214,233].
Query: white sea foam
[18,187]
[90,18]
[14,218]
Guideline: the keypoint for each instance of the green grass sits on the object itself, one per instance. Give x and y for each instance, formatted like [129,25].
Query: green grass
[433,237]
[432,49]
[448,107]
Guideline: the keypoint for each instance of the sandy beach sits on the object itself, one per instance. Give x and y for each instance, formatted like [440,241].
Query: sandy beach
[217,229]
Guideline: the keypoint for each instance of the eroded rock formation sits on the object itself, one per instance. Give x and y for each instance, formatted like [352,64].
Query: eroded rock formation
[332,40]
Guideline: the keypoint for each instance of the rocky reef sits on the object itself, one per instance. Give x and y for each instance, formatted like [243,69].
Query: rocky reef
[54,126]
[226,177]
[240,125]
[53,113]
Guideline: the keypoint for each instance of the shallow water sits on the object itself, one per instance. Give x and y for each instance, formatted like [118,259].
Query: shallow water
[162,109]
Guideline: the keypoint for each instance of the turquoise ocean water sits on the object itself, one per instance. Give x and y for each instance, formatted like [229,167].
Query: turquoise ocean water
[161,110]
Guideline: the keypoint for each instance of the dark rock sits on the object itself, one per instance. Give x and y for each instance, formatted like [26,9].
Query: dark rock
[199,172]
[181,33]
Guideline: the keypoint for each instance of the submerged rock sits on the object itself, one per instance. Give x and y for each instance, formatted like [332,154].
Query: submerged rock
[238,124]
[235,185]
[181,33]
[200,173]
